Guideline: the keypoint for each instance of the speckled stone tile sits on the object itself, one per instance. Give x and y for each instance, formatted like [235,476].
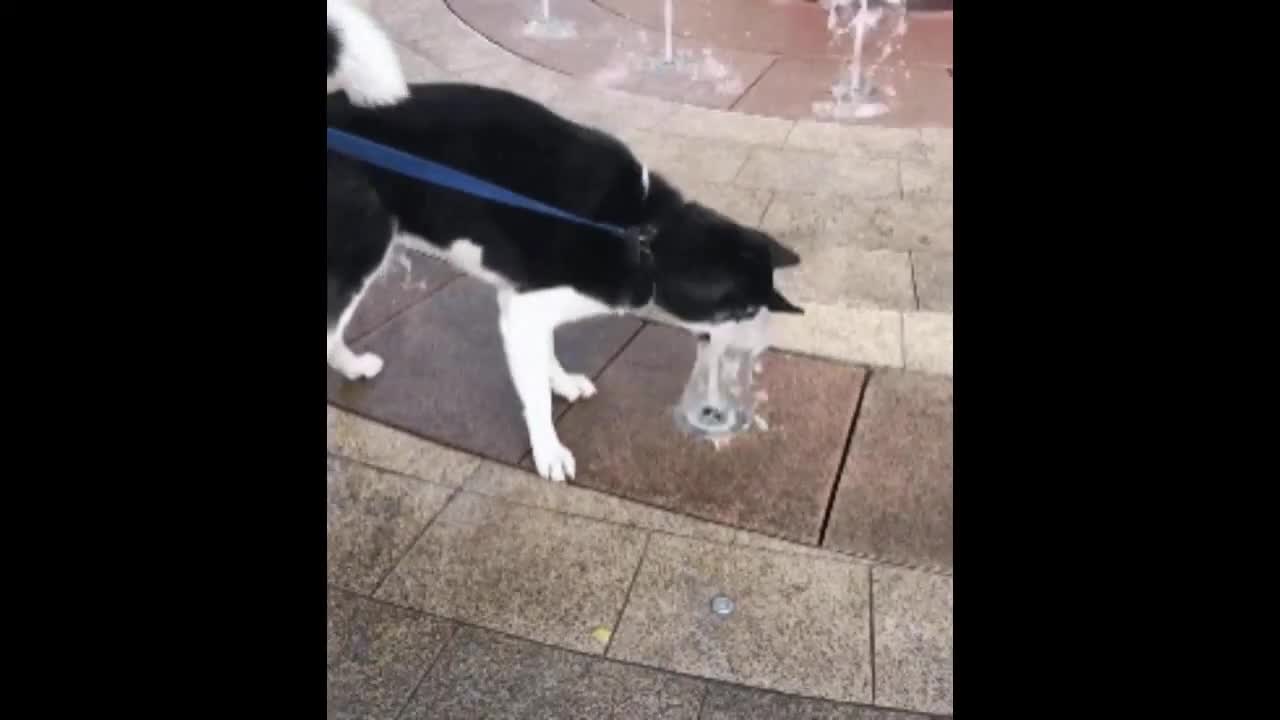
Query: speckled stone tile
[725,125]
[731,702]
[913,224]
[861,335]
[687,161]
[376,655]
[403,283]
[806,171]
[934,278]
[914,640]
[526,488]
[927,179]
[486,675]
[928,342]
[745,205]
[536,574]
[848,275]
[894,501]
[860,140]
[777,481]
[446,377]
[354,437]
[801,625]
[373,518]
[746,538]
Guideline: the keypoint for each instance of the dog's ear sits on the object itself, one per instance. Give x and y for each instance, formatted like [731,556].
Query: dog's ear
[779,304]
[780,256]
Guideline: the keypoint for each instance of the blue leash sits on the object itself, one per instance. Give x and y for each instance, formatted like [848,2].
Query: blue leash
[436,174]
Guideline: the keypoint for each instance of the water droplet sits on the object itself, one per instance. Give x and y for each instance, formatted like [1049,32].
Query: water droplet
[722,605]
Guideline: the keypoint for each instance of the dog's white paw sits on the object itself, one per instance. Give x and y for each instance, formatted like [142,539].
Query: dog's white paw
[367,365]
[553,460]
[572,387]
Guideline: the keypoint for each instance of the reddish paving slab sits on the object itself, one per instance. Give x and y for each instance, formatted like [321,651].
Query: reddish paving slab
[894,501]
[923,93]
[777,482]
[766,26]
[616,53]
[791,28]
[765,57]
[446,378]
[398,288]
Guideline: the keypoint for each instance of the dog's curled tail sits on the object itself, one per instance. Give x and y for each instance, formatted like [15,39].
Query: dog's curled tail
[362,60]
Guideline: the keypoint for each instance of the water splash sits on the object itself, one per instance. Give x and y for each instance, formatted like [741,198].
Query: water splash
[549,28]
[687,67]
[667,13]
[855,96]
[720,400]
[402,257]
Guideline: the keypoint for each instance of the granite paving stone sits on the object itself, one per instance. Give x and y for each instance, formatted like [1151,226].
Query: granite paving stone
[354,437]
[807,171]
[928,342]
[799,626]
[934,279]
[524,487]
[911,224]
[372,519]
[497,677]
[537,574]
[377,653]
[914,639]
[734,702]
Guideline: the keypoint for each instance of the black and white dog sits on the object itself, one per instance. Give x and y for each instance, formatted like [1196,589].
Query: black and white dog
[714,275]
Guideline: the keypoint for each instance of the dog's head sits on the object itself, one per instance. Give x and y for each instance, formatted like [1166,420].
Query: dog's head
[712,271]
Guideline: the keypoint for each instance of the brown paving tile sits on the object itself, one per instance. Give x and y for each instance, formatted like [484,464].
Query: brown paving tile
[777,482]
[894,500]
[376,655]
[614,52]
[914,643]
[487,675]
[373,517]
[446,377]
[928,40]
[732,702]
[792,85]
[398,288]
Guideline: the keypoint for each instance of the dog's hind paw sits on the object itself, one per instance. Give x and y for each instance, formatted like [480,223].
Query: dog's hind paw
[367,365]
[554,461]
[572,387]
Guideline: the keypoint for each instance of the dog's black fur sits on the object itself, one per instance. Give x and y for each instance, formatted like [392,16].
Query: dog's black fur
[698,265]
[701,267]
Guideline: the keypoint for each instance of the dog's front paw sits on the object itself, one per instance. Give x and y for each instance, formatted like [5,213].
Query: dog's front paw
[572,387]
[553,460]
[367,365]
